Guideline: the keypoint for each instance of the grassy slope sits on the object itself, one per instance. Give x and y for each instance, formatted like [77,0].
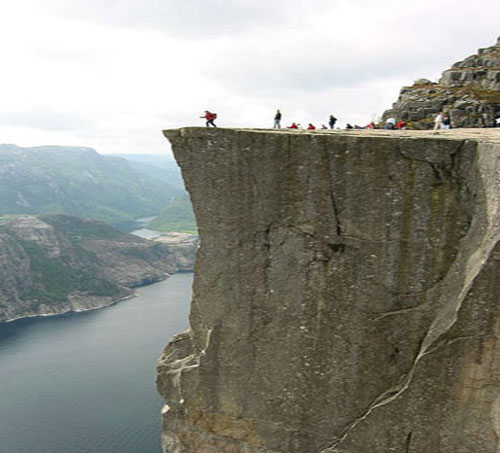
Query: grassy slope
[178,216]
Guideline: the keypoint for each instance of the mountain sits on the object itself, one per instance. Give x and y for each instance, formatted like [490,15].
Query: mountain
[157,166]
[80,182]
[56,263]
[469,91]
[178,216]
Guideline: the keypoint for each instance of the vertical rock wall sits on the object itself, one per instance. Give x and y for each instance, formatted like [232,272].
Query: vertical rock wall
[346,296]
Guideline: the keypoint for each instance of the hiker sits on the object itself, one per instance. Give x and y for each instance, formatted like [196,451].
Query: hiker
[323,126]
[438,121]
[210,117]
[277,120]
[348,126]
[446,121]
[390,123]
[293,126]
[331,122]
[370,126]
[402,125]
[311,127]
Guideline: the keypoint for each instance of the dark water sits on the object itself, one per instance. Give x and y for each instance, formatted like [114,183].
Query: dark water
[84,383]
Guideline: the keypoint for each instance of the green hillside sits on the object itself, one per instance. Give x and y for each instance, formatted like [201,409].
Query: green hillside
[178,216]
[80,182]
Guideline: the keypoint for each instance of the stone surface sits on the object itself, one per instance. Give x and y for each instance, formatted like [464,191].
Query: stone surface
[469,91]
[346,294]
[183,246]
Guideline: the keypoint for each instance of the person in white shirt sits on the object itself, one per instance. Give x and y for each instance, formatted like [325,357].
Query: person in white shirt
[438,121]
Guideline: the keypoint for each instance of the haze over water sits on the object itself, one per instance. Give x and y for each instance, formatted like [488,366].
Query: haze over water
[84,382]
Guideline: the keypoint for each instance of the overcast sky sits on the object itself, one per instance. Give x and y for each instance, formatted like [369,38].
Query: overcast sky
[110,74]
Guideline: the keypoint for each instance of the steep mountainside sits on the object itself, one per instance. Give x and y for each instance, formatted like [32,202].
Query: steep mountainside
[53,264]
[178,216]
[469,91]
[77,181]
[346,295]
[158,166]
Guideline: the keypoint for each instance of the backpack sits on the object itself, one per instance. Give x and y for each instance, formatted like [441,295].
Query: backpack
[214,116]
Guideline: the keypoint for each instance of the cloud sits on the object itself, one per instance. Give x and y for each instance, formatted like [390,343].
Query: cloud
[111,74]
[42,118]
[187,18]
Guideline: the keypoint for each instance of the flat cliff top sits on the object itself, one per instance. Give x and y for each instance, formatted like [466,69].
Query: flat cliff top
[478,134]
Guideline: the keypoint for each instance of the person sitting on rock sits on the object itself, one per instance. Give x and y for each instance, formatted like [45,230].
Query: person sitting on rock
[348,126]
[446,124]
[293,126]
[210,117]
[371,125]
[311,127]
[390,123]
[323,126]
[402,125]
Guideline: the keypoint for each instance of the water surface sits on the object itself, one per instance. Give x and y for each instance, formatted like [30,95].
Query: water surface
[84,383]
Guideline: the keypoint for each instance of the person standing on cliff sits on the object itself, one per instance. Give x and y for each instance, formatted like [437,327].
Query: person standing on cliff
[210,117]
[277,120]
[438,121]
[331,122]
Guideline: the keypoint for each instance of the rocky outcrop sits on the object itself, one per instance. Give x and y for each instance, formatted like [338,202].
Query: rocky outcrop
[183,246]
[469,91]
[346,294]
[54,264]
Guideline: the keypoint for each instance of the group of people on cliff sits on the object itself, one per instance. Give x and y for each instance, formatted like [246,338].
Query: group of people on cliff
[277,123]
[441,121]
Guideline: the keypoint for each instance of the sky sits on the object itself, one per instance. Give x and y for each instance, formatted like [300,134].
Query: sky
[111,74]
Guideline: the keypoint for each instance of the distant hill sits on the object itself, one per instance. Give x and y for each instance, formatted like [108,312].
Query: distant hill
[158,166]
[79,181]
[178,216]
[56,263]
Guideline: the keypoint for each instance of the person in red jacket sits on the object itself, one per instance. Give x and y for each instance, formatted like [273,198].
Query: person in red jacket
[402,125]
[210,117]
[311,127]
[293,126]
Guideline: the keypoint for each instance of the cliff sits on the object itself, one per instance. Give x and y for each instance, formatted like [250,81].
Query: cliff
[469,91]
[346,294]
[52,264]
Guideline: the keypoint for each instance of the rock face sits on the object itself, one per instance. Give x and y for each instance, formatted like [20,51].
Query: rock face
[346,294]
[469,92]
[184,247]
[53,264]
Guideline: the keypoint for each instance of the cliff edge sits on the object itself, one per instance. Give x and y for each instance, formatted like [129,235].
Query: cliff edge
[346,294]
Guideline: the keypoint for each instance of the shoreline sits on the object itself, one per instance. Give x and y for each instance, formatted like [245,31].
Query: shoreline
[84,310]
